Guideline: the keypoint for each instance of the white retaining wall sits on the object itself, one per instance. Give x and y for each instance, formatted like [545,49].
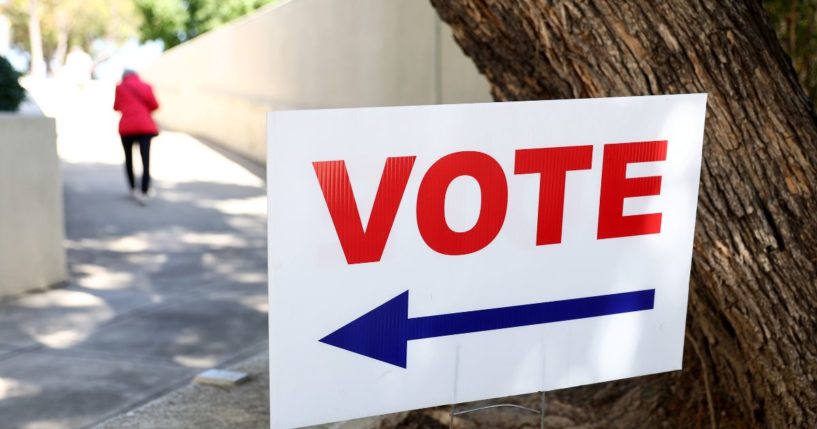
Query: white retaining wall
[304,54]
[31,210]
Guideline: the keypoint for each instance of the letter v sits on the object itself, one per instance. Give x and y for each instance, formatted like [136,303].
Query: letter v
[361,246]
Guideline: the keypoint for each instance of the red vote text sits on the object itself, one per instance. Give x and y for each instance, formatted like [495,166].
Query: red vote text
[361,245]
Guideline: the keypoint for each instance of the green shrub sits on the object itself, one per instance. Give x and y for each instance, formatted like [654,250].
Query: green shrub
[11,93]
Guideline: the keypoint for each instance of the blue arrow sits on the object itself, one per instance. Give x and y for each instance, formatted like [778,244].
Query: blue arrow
[384,332]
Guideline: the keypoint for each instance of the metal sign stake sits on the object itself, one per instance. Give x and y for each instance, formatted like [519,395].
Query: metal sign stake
[453,412]
[540,411]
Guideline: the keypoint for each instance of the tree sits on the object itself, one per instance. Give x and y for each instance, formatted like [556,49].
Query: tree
[751,354]
[80,22]
[163,20]
[176,21]
[46,28]
[795,22]
[37,67]
[11,93]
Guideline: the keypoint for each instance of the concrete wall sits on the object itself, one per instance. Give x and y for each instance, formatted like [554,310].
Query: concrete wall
[304,54]
[31,210]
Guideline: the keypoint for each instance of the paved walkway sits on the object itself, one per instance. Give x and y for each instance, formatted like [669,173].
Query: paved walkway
[155,293]
[245,406]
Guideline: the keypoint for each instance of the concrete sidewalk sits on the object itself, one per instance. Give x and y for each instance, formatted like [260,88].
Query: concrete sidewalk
[156,293]
[245,406]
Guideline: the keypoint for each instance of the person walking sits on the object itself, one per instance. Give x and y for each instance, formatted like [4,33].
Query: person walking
[135,99]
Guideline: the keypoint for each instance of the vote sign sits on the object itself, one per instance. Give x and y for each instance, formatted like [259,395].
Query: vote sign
[430,255]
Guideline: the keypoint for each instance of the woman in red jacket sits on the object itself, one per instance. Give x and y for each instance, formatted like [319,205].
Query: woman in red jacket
[135,99]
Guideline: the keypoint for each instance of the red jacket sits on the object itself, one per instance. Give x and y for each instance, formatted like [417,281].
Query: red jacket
[135,99]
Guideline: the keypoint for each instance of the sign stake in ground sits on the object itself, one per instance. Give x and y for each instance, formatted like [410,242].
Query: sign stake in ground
[430,255]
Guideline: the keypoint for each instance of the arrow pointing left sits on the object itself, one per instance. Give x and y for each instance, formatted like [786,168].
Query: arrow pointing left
[384,333]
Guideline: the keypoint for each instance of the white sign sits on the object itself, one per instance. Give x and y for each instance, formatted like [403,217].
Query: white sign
[431,255]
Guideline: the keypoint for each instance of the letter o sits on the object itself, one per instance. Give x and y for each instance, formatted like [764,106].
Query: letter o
[431,203]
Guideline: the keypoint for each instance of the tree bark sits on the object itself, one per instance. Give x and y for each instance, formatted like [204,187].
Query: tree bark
[751,349]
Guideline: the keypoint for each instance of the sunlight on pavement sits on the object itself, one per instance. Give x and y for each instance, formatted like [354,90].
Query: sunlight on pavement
[180,167]
[174,150]
[11,388]
[132,243]
[85,312]
[45,424]
[233,270]
[62,298]
[101,278]
[87,124]
[61,339]
[87,130]
[258,303]
[195,361]
[249,206]
[218,240]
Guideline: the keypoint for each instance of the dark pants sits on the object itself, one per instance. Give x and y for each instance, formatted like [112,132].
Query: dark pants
[144,151]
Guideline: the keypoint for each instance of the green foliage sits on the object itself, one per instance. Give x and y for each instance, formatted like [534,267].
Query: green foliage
[11,93]
[164,20]
[175,21]
[795,22]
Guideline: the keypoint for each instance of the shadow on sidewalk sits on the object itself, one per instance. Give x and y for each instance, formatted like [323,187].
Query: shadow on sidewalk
[155,294]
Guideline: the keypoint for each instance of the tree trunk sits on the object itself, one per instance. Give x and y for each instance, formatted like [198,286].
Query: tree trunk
[37,66]
[62,47]
[751,349]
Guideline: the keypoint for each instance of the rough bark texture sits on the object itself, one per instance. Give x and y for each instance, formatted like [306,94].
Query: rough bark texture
[751,349]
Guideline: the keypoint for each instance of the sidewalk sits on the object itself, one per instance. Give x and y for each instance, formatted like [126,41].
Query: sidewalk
[245,406]
[155,294]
